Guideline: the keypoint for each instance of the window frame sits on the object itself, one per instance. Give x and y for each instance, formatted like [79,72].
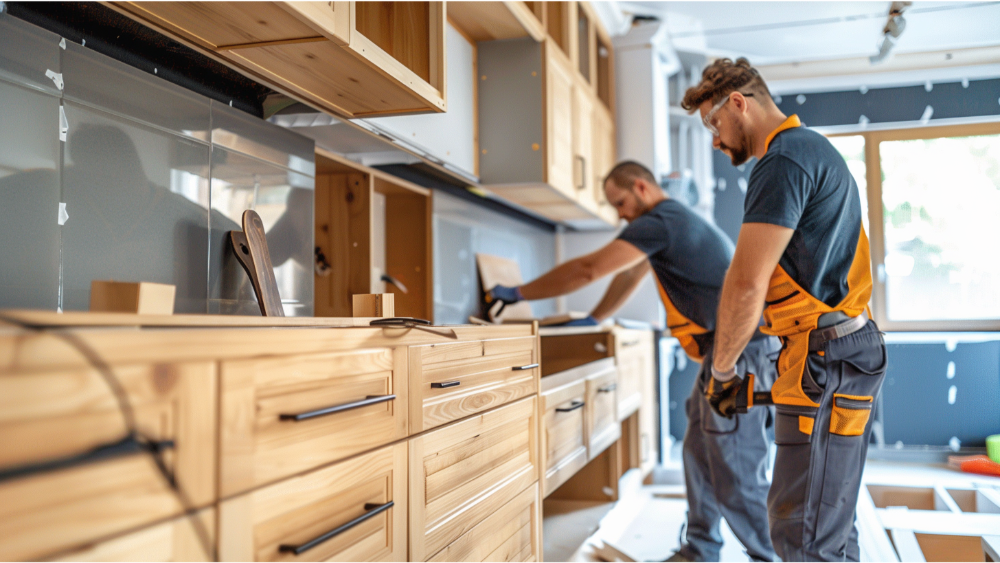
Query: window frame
[876,217]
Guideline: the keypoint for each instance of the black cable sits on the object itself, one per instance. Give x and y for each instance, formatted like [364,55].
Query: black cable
[133,442]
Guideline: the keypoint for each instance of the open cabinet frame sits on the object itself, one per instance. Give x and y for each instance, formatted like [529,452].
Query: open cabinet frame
[362,240]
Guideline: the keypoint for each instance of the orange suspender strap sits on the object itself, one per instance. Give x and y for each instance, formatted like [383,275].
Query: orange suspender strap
[681,327]
[792,313]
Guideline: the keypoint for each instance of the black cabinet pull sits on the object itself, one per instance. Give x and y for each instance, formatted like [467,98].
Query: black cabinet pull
[608,388]
[373,509]
[522,368]
[370,400]
[445,384]
[574,405]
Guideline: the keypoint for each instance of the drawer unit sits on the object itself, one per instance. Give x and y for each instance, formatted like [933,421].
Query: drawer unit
[464,472]
[180,539]
[601,413]
[69,473]
[634,354]
[563,352]
[512,533]
[354,510]
[285,415]
[452,381]
[563,408]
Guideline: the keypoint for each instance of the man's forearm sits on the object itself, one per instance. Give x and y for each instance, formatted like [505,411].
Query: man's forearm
[564,278]
[618,293]
[740,307]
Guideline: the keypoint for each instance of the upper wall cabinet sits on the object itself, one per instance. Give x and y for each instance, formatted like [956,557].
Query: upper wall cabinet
[353,59]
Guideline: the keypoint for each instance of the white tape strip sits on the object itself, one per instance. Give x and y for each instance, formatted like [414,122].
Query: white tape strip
[55,77]
[62,43]
[63,124]
[63,216]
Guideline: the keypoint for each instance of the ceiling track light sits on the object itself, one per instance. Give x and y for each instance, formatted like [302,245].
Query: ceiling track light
[894,26]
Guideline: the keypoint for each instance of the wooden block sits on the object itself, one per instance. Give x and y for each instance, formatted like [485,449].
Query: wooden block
[144,298]
[375,305]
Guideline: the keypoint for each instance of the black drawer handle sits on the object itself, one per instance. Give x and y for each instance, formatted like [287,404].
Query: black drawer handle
[608,388]
[575,405]
[370,400]
[527,367]
[372,508]
[445,384]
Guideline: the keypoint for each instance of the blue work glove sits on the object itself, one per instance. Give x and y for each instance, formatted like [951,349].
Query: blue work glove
[505,295]
[588,321]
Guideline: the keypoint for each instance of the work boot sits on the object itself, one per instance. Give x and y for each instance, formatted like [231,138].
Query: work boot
[682,555]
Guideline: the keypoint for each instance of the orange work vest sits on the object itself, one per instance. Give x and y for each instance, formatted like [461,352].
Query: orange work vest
[681,327]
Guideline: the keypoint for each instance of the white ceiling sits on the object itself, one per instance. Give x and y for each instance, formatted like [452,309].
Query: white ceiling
[786,32]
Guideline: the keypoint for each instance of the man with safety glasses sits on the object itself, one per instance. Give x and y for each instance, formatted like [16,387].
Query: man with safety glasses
[724,458]
[802,256]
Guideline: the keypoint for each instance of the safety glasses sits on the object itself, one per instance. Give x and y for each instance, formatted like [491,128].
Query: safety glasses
[709,119]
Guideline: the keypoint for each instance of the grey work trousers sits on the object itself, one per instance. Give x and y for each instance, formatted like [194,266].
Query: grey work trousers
[817,475]
[725,462]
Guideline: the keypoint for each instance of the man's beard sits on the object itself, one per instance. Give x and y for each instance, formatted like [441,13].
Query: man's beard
[740,154]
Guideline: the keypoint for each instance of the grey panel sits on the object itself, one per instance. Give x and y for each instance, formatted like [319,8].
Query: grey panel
[26,53]
[510,111]
[284,200]
[462,229]
[97,80]
[243,133]
[137,200]
[29,192]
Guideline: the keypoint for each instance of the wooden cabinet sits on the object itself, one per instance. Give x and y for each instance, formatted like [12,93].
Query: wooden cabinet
[634,355]
[452,381]
[559,121]
[564,444]
[604,160]
[190,538]
[72,472]
[583,145]
[509,534]
[354,510]
[349,58]
[464,472]
[288,414]
[601,420]
[374,231]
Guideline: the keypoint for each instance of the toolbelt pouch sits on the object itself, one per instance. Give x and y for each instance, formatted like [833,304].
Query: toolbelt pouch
[850,414]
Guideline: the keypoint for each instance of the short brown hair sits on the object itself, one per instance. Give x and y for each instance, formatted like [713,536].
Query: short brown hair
[723,77]
[625,173]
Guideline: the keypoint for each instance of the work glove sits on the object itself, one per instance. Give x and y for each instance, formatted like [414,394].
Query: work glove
[588,321]
[505,295]
[721,395]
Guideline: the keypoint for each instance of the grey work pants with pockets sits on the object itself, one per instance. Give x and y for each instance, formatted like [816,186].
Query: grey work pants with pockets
[725,462]
[817,475]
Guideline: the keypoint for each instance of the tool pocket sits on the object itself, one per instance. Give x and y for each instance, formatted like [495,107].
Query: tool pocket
[850,414]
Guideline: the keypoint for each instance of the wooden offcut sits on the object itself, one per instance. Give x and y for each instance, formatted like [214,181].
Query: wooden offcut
[374,305]
[144,298]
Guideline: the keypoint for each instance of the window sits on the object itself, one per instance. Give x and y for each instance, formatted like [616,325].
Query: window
[936,243]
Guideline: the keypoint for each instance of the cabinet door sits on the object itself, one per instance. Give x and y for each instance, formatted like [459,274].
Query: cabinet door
[69,475]
[564,444]
[285,415]
[512,533]
[633,352]
[604,160]
[462,473]
[559,120]
[601,411]
[583,150]
[354,510]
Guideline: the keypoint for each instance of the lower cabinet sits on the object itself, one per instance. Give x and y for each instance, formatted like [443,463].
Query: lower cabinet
[190,538]
[354,510]
[465,472]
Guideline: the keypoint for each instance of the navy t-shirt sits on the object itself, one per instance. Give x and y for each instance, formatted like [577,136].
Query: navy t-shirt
[803,183]
[689,256]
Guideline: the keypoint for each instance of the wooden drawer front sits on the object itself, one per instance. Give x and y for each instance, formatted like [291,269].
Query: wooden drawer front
[181,539]
[634,354]
[452,381]
[603,427]
[560,353]
[258,446]
[462,473]
[294,512]
[512,533]
[58,415]
[564,445]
